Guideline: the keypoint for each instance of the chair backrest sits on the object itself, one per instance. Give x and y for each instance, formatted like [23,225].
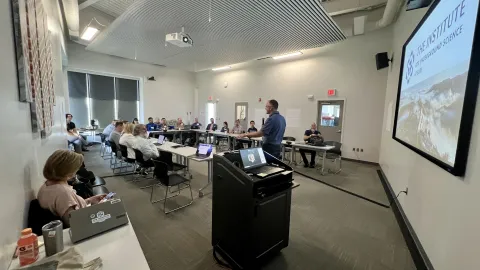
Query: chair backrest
[123,150]
[139,156]
[337,149]
[113,145]
[160,171]
[288,138]
[103,138]
[37,217]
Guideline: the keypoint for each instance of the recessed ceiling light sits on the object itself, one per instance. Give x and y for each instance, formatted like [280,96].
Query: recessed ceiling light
[221,68]
[89,33]
[287,55]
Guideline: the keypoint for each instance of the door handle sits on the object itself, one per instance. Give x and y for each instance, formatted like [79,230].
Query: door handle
[339,131]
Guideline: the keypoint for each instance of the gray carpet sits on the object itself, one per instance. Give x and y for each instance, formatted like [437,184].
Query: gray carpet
[358,178]
[329,229]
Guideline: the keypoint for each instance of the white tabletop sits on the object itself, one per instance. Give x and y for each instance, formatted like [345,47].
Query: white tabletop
[184,151]
[119,249]
[307,146]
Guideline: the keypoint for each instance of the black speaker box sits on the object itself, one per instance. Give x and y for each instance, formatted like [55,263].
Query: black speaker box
[382,60]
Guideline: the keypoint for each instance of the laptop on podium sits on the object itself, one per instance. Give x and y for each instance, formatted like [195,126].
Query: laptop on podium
[254,161]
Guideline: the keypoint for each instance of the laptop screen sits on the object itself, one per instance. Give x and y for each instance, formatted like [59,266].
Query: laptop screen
[161,139]
[204,149]
[252,157]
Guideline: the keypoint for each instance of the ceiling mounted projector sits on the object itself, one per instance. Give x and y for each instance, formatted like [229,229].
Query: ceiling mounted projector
[179,39]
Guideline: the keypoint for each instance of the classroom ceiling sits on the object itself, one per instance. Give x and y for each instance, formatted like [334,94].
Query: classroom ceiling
[224,32]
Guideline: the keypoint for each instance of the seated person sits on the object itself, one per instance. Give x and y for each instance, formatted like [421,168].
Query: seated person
[237,129]
[163,124]
[180,124]
[69,117]
[109,129]
[116,133]
[157,121]
[128,139]
[225,128]
[196,124]
[151,125]
[252,128]
[308,137]
[144,145]
[80,144]
[55,194]
[211,126]
[135,121]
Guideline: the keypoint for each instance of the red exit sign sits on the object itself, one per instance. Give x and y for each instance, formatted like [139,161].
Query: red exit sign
[332,92]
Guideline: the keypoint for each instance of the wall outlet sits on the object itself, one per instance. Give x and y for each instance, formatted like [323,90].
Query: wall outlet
[361,149]
[357,149]
[353,149]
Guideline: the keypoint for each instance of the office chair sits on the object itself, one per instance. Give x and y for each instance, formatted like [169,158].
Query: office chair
[141,163]
[104,145]
[288,149]
[131,161]
[173,180]
[116,161]
[335,155]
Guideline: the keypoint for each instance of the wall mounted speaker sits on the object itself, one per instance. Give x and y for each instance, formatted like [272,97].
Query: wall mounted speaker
[382,60]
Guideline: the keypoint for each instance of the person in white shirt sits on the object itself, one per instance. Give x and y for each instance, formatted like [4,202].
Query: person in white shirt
[142,143]
[128,139]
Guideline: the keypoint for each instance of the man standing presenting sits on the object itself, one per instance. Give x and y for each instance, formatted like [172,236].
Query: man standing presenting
[272,131]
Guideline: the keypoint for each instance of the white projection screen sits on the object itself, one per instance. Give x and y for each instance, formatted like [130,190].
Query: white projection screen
[439,81]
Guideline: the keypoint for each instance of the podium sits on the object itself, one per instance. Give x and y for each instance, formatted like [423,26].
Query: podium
[251,215]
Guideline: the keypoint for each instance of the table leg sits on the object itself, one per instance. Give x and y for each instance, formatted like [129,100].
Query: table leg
[187,169]
[283,152]
[323,162]
[181,137]
[210,178]
[294,157]
[234,142]
[197,137]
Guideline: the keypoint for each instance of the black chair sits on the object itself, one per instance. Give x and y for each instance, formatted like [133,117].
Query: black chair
[145,164]
[167,158]
[173,180]
[288,149]
[335,154]
[116,162]
[38,217]
[100,190]
[131,161]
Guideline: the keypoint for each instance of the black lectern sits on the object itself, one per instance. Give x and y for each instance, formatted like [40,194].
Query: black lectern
[251,215]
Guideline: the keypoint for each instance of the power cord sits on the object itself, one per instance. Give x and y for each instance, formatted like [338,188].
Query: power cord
[403,191]
[218,261]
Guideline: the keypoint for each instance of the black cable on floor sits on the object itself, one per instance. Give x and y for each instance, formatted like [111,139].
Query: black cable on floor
[218,261]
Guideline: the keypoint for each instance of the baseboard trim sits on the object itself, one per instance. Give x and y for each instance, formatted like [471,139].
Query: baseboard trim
[360,161]
[419,256]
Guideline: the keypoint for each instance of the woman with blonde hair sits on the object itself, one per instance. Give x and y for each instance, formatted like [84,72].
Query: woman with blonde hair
[128,139]
[56,194]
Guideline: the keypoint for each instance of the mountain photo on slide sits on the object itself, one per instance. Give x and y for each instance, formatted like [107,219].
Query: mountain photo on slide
[430,112]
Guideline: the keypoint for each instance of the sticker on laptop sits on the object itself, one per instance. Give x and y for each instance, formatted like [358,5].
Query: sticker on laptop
[100,217]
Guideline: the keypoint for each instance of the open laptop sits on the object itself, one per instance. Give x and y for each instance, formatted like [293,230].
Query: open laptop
[204,150]
[254,161]
[161,140]
[96,219]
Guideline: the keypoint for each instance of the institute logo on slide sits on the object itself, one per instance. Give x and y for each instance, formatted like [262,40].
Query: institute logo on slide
[410,62]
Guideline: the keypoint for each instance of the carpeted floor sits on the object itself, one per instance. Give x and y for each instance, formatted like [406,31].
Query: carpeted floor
[329,229]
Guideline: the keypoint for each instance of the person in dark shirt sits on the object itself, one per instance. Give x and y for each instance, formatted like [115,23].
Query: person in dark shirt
[307,137]
[151,126]
[225,128]
[212,126]
[252,128]
[196,124]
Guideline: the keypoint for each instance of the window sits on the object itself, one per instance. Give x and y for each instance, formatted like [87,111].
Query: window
[330,115]
[102,98]
[210,112]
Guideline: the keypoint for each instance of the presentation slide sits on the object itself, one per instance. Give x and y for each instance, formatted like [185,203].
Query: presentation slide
[435,68]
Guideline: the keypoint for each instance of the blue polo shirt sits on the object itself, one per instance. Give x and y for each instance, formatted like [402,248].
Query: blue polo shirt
[151,126]
[274,129]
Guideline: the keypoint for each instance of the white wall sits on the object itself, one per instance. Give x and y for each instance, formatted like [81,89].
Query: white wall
[23,153]
[348,66]
[170,96]
[442,209]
